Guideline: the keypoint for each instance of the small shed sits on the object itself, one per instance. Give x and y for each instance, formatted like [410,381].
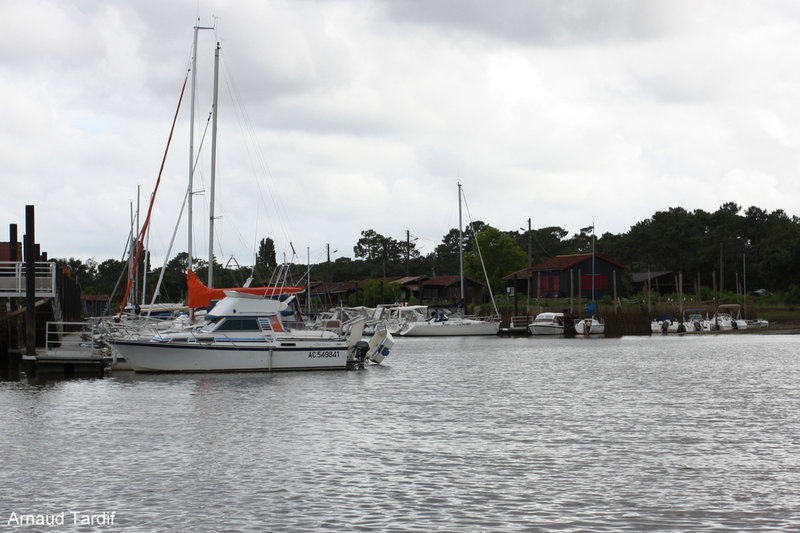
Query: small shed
[411,286]
[446,290]
[661,282]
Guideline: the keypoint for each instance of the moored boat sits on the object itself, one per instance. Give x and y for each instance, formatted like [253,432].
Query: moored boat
[590,326]
[547,323]
[665,324]
[246,333]
[695,321]
[443,324]
[728,317]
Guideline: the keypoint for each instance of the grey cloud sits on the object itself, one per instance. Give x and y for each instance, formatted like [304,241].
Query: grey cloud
[550,22]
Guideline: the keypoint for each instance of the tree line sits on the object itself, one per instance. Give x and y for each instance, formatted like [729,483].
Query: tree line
[726,245]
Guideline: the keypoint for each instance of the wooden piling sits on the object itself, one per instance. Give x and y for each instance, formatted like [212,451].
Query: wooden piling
[30,282]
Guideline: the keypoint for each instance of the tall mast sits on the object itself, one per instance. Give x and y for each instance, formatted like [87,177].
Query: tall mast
[461,252]
[136,269]
[213,171]
[191,139]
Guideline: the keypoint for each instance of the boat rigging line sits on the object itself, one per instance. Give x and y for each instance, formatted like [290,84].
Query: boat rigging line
[477,247]
[186,201]
[143,231]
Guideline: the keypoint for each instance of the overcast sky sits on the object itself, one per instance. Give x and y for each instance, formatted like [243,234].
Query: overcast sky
[341,116]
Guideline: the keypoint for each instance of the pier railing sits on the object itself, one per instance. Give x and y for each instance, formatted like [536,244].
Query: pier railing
[12,279]
[519,323]
[70,339]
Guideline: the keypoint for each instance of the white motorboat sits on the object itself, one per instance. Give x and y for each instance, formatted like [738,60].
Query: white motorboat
[590,326]
[728,317]
[665,324]
[758,323]
[547,324]
[695,321]
[246,333]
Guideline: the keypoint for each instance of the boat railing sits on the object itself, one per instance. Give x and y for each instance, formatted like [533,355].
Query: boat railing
[133,327]
[484,318]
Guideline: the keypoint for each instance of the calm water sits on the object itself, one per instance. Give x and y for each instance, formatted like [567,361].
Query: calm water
[694,433]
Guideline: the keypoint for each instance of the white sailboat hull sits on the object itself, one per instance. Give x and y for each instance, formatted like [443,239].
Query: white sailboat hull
[261,357]
[449,328]
[590,326]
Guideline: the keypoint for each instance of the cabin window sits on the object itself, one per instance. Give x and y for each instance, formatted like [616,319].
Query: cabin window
[239,324]
[211,322]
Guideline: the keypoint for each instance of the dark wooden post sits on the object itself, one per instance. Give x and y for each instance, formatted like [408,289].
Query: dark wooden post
[12,237]
[30,282]
[9,340]
[515,294]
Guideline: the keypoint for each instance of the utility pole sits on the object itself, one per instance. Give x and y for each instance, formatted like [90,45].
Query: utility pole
[329,261]
[408,250]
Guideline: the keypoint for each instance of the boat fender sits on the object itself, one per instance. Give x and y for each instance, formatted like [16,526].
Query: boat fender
[664,326]
[734,324]
[697,326]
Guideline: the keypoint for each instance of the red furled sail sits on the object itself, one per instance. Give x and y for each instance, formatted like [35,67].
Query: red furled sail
[201,296]
[150,208]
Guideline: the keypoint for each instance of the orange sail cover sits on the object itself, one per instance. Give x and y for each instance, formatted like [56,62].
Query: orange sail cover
[202,296]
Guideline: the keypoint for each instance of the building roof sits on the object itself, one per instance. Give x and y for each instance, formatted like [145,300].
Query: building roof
[411,282]
[641,277]
[405,280]
[447,281]
[5,251]
[561,262]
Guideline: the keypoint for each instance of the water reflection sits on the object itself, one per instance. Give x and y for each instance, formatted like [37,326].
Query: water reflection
[655,433]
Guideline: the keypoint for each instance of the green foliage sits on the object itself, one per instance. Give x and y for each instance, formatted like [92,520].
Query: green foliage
[501,255]
[792,295]
[266,261]
[378,291]
[385,255]
[734,244]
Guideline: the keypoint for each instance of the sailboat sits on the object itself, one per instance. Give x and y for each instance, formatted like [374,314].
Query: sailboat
[591,325]
[249,329]
[445,324]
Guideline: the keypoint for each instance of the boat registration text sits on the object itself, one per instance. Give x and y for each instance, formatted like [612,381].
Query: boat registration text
[322,354]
